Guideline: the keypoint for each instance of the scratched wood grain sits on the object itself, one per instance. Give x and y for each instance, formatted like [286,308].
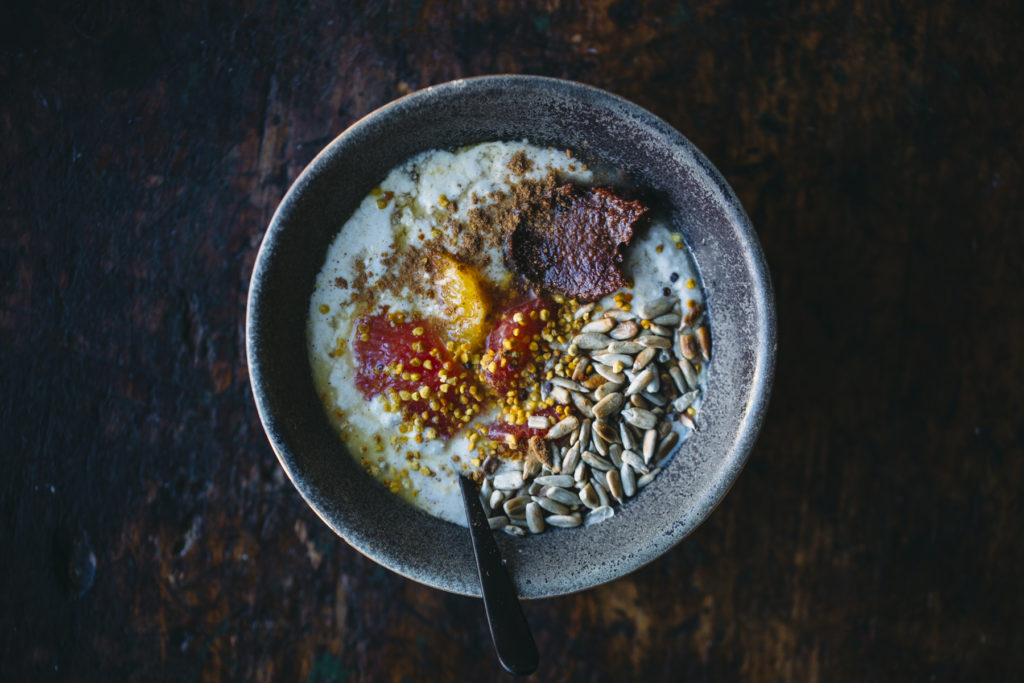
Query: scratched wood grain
[147,531]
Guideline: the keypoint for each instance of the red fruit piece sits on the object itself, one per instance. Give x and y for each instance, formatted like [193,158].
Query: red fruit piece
[508,345]
[407,361]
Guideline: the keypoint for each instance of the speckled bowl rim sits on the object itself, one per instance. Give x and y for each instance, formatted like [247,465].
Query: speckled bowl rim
[284,421]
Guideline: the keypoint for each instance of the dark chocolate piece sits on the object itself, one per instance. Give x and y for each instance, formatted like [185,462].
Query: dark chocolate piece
[569,242]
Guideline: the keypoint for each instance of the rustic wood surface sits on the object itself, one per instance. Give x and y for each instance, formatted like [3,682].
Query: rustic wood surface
[147,530]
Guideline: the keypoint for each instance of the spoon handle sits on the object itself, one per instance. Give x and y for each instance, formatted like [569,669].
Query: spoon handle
[510,632]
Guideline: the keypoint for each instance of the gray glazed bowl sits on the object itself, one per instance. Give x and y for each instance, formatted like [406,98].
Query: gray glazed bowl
[598,126]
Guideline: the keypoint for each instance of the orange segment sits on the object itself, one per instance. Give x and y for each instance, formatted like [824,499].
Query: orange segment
[461,292]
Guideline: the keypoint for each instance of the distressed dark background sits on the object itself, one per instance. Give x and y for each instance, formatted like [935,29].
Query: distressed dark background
[147,531]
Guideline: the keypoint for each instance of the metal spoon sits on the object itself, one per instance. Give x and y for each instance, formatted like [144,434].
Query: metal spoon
[510,632]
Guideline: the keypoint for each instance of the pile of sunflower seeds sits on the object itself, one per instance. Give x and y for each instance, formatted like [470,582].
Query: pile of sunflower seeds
[636,372]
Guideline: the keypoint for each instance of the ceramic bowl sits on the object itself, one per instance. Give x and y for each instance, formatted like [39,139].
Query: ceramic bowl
[598,126]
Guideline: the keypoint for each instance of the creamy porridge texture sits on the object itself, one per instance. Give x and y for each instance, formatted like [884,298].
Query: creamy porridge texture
[445,337]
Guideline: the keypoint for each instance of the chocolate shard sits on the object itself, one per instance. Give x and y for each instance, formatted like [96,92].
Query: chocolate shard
[570,242]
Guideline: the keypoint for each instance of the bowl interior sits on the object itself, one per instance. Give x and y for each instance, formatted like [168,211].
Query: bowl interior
[601,127]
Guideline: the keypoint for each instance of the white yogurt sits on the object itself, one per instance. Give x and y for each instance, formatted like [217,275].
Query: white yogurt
[358,262]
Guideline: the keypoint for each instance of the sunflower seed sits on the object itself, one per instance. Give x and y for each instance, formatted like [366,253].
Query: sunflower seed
[639,401]
[596,461]
[585,434]
[513,530]
[497,522]
[619,315]
[560,495]
[486,489]
[560,480]
[602,494]
[615,485]
[650,444]
[545,453]
[609,374]
[535,518]
[687,346]
[611,359]
[667,319]
[704,339]
[579,475]
[664,427]
[657,399]
[608,405]
[626,436]
[507,481]
[561,395]
[531,468]
[599,515]
[644,358]
[666,445]
[551,506]
[655,384]
[519,522]
[615,454]
[687,421]
[635,461]
[581,368]
[534,489]
[583,310]
[514,507]
[496,499]
[599,444]
[565,521]
[568,384]
[625,347]
[605,431]
[639,418]
[563,428]
[628,477]
[589,496]
[656,307]
[604,390]
[654,341]
[685,401]
[693,315]
[571,457]
[625,330]
[591,341]
[647,478]
[582,404]
[688,372]
[640,382]
[574,436]
[677,378]
[599,326]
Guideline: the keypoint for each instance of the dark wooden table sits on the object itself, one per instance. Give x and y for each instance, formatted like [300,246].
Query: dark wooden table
[147,531]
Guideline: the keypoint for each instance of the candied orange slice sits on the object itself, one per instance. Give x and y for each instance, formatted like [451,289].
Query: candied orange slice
[461,292]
